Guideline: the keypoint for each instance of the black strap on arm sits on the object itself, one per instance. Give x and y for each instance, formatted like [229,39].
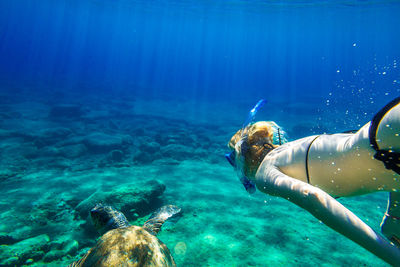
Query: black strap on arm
[390,159]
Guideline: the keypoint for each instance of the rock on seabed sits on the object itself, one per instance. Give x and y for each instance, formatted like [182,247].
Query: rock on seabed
[128,198]
[17,254]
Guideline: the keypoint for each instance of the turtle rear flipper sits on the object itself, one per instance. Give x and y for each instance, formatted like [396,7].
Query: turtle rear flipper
[157,219]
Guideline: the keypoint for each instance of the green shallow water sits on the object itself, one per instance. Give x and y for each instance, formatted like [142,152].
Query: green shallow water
[222,225]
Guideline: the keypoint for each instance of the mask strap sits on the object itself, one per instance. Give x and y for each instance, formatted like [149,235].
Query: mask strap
[279,135]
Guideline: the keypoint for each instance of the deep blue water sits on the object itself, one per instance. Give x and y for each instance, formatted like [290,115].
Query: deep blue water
[209,50]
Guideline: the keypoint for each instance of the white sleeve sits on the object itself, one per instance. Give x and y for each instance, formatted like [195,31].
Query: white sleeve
[271,180]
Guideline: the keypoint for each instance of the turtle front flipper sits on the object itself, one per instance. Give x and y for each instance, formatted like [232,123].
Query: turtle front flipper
[157,219]
[106,218]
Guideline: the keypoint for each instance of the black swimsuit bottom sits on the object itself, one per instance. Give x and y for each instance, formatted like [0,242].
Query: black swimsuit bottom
[390,159]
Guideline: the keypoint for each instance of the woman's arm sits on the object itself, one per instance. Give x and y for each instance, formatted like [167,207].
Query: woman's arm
[325,208]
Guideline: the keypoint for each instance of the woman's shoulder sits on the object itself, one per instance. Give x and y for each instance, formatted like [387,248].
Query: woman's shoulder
[289,147]
[289,153]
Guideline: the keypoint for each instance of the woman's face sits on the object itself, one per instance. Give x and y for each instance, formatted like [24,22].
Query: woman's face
[249,147]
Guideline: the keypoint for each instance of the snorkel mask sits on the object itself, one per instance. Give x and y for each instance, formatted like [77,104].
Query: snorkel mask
[238,163]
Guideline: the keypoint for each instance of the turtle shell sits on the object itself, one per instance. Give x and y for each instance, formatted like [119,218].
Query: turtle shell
[129,246]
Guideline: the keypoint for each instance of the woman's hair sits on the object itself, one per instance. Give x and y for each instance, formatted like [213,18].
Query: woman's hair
[254,142]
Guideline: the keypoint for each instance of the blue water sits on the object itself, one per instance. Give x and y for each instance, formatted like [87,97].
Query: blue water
[182,73]
[199,49]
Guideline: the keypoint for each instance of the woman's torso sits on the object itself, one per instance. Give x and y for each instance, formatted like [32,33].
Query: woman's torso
[339,164]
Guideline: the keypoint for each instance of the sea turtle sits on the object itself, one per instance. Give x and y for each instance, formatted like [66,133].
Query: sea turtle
[123,244]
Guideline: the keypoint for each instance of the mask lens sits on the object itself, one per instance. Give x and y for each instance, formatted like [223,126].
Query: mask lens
[231,158]
[248,185]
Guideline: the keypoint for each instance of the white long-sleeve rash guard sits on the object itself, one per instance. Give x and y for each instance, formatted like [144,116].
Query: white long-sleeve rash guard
[311,171]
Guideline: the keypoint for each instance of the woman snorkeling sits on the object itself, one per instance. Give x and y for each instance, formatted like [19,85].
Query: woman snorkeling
[311,172]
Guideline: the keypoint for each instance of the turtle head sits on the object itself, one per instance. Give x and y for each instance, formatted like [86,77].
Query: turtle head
[106,218]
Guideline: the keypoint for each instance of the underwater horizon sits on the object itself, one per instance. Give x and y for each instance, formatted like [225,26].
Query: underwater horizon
[131,103]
